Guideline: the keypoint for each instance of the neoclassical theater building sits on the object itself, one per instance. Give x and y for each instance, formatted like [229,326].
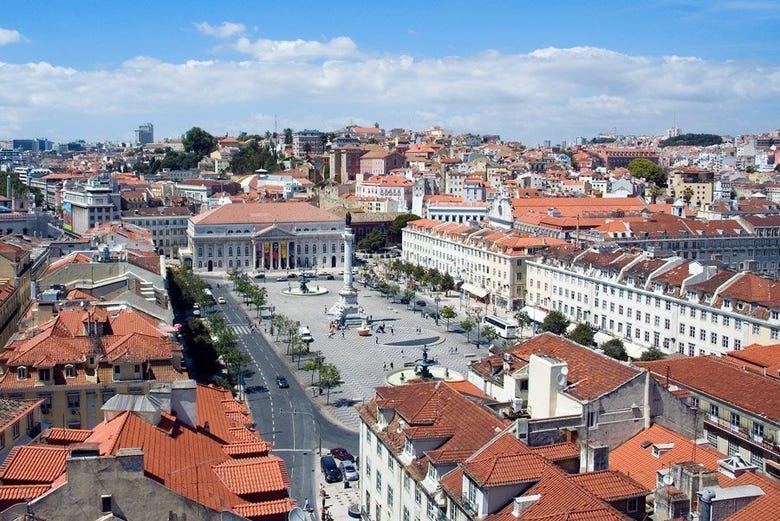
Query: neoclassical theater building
[265,237]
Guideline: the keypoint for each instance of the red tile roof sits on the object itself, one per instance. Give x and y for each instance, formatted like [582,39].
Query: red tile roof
[505,460]
[19,493]
[33,464]
[593,373]
[723,380]
[249,476]
[758,358]
[60,436]
[610,485]
[264,213]
[266,508]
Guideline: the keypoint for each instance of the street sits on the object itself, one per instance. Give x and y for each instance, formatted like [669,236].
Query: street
[285,417]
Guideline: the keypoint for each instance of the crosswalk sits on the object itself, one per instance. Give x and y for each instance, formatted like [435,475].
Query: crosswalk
[242,329]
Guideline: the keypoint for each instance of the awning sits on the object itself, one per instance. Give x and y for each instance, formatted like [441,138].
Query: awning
[536,314]
[474,290]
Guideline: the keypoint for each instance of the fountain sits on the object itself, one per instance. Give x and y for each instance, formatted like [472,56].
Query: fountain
[303,289]
[426,369]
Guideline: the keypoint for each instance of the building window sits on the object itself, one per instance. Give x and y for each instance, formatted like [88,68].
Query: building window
[368,470]
[758,431]
[15,430]
[74,401]
[631,505]
[714,411]
[724,341]
[417,495]
[44,375]
[733,448]
[712,438]
[757,458]
[378,482]
[389,496]
[105,503]
[70,371]
[21,373]
[734,421]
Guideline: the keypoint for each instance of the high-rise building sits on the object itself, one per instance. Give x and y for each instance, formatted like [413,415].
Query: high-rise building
[144,134]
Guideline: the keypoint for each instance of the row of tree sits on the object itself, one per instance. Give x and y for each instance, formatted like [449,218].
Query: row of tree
[424,277]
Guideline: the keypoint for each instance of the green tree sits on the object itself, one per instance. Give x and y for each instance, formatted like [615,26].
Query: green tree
[615,348]
[467,325]
[253,157]
[523,320]
[407,296]
[583,335]
[313,364]
[555,322]
[687,194]
[236,361]
[447,284]
[489,333]
[652,354]
[653,191]
[447,313]
[645,169]
[329,378]
[372,242]
[288,136]
[399,223]
[199,141]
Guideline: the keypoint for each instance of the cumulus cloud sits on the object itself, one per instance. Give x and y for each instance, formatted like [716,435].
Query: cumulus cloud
[9,36]
[548,93]
[293,50]
[223,30]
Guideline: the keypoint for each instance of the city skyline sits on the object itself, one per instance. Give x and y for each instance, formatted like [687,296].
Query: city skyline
[553,71]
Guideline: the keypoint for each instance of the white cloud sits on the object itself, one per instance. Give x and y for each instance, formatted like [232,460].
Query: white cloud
[549,93]
[9,36]
[293,50]
[223,30]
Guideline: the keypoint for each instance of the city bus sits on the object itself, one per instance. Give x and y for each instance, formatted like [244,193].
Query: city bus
[505,328]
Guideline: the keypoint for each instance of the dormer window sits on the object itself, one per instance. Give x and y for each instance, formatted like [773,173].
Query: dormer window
[432,472]
[44,375]
[70,371]
[408,447]
[727,304]
[21,373]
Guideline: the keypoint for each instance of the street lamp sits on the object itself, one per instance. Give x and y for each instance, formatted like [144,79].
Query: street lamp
[436,299]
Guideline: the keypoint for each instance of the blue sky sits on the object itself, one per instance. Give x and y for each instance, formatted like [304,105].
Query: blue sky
[528,70]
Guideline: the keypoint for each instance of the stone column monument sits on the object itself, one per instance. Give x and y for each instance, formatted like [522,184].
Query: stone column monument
[346,310]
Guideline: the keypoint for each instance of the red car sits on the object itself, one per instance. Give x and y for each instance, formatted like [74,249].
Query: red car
[341,454]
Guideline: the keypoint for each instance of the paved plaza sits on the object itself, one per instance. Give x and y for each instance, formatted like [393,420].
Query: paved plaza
[365,361]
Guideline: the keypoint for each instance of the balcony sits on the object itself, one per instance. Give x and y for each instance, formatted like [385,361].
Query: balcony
[743,434]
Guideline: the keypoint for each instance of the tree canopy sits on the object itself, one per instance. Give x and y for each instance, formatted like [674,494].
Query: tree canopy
[583,335]
[652,354]
[372,242]
[700,140]
[555,322]
[399,223]
[615,349]
[199,141]
[645,169]
[253,157]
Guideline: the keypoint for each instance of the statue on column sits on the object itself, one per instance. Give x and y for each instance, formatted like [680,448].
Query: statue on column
[348,219]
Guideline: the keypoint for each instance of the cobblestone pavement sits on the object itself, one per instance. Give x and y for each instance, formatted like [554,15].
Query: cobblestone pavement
[364,361]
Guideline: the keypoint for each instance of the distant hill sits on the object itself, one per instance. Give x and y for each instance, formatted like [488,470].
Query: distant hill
[698,140]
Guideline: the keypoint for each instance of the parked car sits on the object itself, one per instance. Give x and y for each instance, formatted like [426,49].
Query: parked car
[349,471]
[281,382]
[221,300]
[330,469]
[305,334]
[259,275]
[341,454]
[327,276]
[420,303]
[292,275]
[281,279]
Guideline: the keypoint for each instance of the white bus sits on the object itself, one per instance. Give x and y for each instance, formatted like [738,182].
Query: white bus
[505,328]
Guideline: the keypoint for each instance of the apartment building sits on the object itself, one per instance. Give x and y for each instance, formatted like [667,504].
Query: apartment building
[613,158]
[673,304]
[87,204]
[168,226]
[558,389]
[308,142]
[391,187]
[740,409]
[696,182]
[447,208]
[380,162]
[489,263]
[344,162]
[430,452]
[82,357]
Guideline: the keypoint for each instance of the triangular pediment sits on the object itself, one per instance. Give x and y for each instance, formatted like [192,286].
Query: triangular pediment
[273,232]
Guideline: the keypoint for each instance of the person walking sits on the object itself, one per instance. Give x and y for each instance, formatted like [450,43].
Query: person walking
[376,339]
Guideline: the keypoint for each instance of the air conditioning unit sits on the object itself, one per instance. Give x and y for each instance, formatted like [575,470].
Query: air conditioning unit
[74,412]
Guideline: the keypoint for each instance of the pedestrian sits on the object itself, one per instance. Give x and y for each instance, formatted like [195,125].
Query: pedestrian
[306,505]
[376,339]
[456,349]
[322,490]
[342,333]
[391,365]
[326,310]
[384,366]
[391,330]
[402,352]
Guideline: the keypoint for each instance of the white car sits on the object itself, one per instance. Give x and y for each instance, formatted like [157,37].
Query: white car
[221,300]
[349,471]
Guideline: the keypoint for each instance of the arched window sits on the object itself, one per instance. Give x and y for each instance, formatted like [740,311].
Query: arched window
[70,371]
[219,264]
[314,249]
[230,251]
[21,373]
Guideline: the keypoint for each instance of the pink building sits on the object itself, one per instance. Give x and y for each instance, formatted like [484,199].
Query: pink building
[380,162]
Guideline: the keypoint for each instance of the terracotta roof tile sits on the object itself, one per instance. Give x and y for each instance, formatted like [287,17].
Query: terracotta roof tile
[264,213]
[557,451]
[724,380]
[267,508]
[19,493]
[595,374]
[60,436]
[253,475]
[33,464]
[12,410]
[758,358]
[610,485]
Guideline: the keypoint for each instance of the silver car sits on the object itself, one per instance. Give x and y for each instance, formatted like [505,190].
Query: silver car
[349,471]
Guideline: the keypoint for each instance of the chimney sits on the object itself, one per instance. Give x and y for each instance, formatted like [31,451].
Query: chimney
[183,401]
[523,503]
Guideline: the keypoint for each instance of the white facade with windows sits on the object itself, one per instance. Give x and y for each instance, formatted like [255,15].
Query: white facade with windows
[671,304]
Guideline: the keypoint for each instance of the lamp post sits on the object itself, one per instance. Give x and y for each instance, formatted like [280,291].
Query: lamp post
[436,299]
